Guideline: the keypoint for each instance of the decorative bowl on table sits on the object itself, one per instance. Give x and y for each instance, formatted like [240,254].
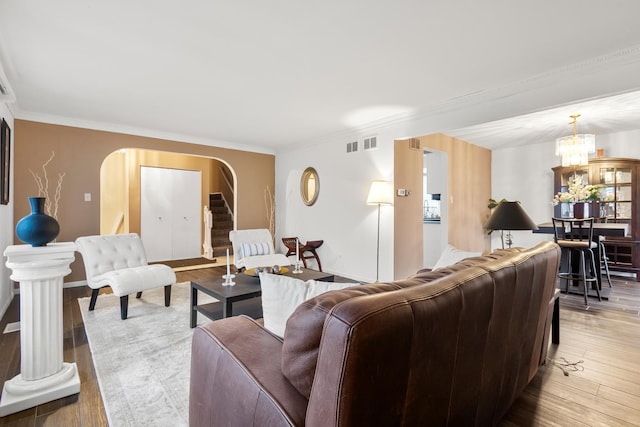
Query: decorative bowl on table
[273,270]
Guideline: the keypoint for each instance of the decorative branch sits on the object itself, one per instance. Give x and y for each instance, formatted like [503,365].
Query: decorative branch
[50,205]
[271,212]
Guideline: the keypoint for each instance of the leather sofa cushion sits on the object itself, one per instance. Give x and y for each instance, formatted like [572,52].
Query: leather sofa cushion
[304,330]
[304,327]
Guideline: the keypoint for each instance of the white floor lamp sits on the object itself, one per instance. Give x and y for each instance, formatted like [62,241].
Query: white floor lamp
[380,193]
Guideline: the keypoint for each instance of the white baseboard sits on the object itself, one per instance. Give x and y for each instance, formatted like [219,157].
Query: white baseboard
[75,284]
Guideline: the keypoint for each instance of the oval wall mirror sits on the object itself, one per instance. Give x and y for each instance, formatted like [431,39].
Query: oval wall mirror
[309,186]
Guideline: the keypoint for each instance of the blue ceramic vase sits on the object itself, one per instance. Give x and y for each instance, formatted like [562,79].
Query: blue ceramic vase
[37,228]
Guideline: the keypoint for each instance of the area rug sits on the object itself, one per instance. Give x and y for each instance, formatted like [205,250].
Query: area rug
[142,363]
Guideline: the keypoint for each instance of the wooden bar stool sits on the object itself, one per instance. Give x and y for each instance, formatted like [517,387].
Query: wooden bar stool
[310,246]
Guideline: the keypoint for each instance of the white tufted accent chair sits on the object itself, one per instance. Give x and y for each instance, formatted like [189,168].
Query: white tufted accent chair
[244,239]
[119,261]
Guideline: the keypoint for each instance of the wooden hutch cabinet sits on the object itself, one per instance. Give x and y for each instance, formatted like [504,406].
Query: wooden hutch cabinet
[619,203]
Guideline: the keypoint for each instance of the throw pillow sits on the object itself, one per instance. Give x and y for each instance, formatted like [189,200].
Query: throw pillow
[281,295]
[255,248]
[451,255]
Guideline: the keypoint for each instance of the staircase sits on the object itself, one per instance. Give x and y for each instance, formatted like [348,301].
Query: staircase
[222,225]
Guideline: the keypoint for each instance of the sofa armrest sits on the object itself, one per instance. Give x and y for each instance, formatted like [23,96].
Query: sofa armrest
[236,377]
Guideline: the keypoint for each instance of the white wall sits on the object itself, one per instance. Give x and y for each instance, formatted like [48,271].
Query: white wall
[340,216]
[524,173]
[348,226]
[6,227]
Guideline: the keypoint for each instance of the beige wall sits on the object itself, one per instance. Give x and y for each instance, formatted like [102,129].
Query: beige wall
[79,154]
[469,190]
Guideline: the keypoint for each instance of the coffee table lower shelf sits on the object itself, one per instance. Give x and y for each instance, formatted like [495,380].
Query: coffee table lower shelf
[243,298]
[251,307]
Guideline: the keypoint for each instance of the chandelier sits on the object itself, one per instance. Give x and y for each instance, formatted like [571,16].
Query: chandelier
[575,149]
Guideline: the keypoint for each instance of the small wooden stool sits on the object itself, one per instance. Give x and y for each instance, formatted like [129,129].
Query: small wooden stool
[310,246]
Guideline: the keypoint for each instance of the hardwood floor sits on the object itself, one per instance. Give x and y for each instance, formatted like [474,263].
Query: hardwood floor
[603,341]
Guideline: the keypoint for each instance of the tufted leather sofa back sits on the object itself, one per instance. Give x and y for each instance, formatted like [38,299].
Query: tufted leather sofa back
[454,351]
[102,254]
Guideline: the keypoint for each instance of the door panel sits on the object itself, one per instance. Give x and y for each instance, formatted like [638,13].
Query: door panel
[170,213]
[155,213]
[186,214]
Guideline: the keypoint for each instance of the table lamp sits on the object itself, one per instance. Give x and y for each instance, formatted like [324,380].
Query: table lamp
[509,216]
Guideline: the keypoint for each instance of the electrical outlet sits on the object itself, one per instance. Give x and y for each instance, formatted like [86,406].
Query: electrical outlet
[87,197]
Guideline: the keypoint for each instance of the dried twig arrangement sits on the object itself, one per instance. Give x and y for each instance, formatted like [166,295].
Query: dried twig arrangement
[50,205]
[269,203]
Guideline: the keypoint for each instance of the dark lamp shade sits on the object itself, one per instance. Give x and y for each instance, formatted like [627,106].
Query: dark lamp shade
[510,216]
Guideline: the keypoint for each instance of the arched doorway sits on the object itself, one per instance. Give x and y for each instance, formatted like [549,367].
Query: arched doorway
[121,190]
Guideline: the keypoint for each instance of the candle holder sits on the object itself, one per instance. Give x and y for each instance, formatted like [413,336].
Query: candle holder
[298,268]
[228,280]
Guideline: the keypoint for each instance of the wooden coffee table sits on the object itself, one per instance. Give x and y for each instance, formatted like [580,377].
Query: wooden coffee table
[243,296]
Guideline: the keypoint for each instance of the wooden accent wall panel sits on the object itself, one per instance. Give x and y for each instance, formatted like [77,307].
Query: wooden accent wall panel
[408,248]
[469,191]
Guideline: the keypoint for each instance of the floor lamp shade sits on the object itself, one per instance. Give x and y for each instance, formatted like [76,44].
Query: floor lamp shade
[380,193]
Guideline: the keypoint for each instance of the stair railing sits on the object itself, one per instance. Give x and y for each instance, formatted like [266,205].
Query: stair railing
[228,180]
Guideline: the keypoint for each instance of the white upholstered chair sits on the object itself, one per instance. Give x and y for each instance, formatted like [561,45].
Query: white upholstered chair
[254,248]
[119,261]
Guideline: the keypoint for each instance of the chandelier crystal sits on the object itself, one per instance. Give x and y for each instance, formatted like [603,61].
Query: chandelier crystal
[575,149]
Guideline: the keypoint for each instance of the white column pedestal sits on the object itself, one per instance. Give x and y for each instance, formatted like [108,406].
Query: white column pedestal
[43,374]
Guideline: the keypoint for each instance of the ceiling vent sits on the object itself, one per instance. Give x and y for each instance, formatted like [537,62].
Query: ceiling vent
[371,143]
[352,147]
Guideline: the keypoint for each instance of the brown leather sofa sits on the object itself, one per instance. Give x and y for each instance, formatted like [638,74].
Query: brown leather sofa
[453,346]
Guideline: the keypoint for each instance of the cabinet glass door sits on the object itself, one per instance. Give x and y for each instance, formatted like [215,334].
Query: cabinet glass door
[567,178]
[617,195]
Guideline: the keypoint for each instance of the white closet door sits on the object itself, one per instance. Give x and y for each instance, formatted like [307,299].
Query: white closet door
[155,213]
[187,214]
[170,213]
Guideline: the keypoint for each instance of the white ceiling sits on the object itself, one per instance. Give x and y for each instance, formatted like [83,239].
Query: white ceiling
[269,74]
[601,116]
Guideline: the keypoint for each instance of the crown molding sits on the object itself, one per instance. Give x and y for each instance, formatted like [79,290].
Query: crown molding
[131,130]
[561,75]
[558,77]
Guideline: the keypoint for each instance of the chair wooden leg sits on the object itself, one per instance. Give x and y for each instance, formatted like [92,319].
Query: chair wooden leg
[139,295]
[94,297]
[124,303]
[167,295]
[315,254]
